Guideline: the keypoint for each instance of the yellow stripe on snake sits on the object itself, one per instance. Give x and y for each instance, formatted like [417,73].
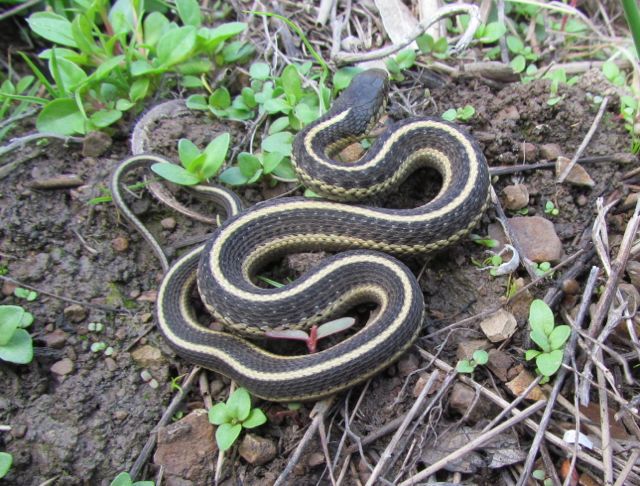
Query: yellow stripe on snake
[361,272]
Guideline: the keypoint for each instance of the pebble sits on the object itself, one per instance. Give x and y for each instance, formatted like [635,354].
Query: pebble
[528,152]
[519,384]
[257,450]
[55,339]
[570,286]
[315,459]
[8,288]
[301,262]
[462,399]
[75,313]
[148,356]
[111,364]
[18,431]
[500,363]
[499,326]
[516,197]
[62,367]
[120,244]
[578,176]
[148,296]
[537,236]
[120,415]
[408,364]
[550,151]
[582,200]
[168,223]
[466,348]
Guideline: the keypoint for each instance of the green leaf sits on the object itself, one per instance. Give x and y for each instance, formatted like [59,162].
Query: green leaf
[154,25]
[538,474]
[514,44]
[239,404]
[174,173]
[104,118]
[440,46]
[139,89]
[279,124]
[105,68]
[610,70]
[342,78]
[232,176]
[276,105]
[123,16]
[280,142]
[406,59]
[225,31]
[189,12]
[122,479]
[305,113]
[197,102]
[53,27]
[255,419]
[425,43]
[450,115]
[493,31]
[226,435]
[237,52]
[220,99]
[61,116]
[81,30]
[285,171]
[291,84]
[176,45]
[518,63]
[219,414]
[540,338]
[333,327]
[531,353]
[466,113]
[559,336]
[249,97]
[464,366]
[259,71]
[187,151]
[271,160]
[10,319]
[541,317]
[71,75]
[549,363]
[141,67]
[249,164]
[480,356]
[215,152]
[6,460]
[19,349]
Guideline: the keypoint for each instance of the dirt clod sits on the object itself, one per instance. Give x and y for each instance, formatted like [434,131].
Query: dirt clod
[257,450]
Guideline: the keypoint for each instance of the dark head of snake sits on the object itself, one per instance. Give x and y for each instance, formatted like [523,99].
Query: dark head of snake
[361,271]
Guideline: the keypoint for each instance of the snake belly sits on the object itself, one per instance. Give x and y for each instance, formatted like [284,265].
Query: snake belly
[224,268]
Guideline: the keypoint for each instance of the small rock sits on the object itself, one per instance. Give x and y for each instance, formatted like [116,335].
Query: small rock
[351,153]
[187,449]
[120,415]
[500,363]
[62,367]
[550,151]
[148,296]
[146,317]
[148,356]
[466,348]
[95,144]
[537,236]
[18,431]
[315,459]
[75,313]
[570,286]
[630,201]
[257,450]
[55,339]
[8,288]
[423,378]
[499,326]
[519,384]
[578,176]
[120,244]
[582,200]
[111,364]
[508,113]
[462,399]
[516,197]
[407,364]
[301,262]
[168,223]
[528,152]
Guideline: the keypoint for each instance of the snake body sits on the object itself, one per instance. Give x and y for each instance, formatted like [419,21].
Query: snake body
[224,268]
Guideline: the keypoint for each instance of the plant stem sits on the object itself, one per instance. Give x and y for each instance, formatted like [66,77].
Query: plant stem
[632,14]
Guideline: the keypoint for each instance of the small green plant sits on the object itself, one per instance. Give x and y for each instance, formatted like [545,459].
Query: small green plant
[558,77]
[461,114]
[542,268]
[540,475]
[490,32]
[480,357]
[523,55]
[428,45]
[402,61]
[197,166]
[16,345]
[315,334]
[550,339]
[24,89]
[629,105]
[124,479]
[484,241]
[234,415]
[6,460]
[551,209]
[26,294]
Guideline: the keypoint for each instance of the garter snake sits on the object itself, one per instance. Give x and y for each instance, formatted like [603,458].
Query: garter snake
[225,266]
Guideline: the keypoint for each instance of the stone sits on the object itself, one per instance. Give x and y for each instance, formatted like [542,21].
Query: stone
[75,313]
[519,384]
[508,113]
[499,364]
[499,326]
[95,144]
[55,339]
[187,449]
[148,296]
[528,152]
[257,450]
[516,197]
[315,459]
[466,348]
[351,153]
[462,399]
[407,364]
[168,223]
[301,262]
[120,244]
[578,176]
[582,200]
[8,288]
[148,356]
[537,236]
[550,151]
[62,367]
[570,286]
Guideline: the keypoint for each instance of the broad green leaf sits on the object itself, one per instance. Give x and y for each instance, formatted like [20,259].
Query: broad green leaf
[189,12]
[106,67]
[237,52]
[19,349]
[255,419]
[219,414]
[216,152]
[559,336]
[196,164]
[450,114]
[406,59]
[220,99]
[464,366]
[155,24]
[239,404]
[139,89]
[104,118]
[187,151]
[174,173]
[493,31]
[197,102]
[280,142]
[141,67]
[232,176]
[176,45]
[541,317]
[123,17]
[124,104]
[226,435]
[276,105]
[6,460]
[392,65]
[122,479]
[260,71]
[81,30]
[192,82]
[223,32]
[518,63]
[249,97]
[610,70]
[541,340]
[10,320]
[71,75]
[531,353]
[285,171]
[61,116]
[291,84]
[514,44]
[480,356]
[271,160]
[440,46]
[342,78]
[279,124]
[305,113]
[53,27]
[249,164]
[549,363]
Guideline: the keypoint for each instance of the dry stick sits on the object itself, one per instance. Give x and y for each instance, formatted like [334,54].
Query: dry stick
[607,451]
[622,158]
[164,420]
[17,143]
[391,447]
[101,307]
[633,459]
[512,405]
[317,413]
[474,444]
[585,142]
[325,449]
[557,386]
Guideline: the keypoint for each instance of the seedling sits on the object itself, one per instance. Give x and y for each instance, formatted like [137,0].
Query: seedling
[6,460]
[197,166]
[558,77]
[542,268]
[95,327]
[233,416]
[98,347]
[404,60]
[484,241]
[315,333]
[480,357]
[540,475]
[550,338]
[551,209]
[428,45]
[523,54]
[461,114]
[16,345]
[124,479]
[26,294]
